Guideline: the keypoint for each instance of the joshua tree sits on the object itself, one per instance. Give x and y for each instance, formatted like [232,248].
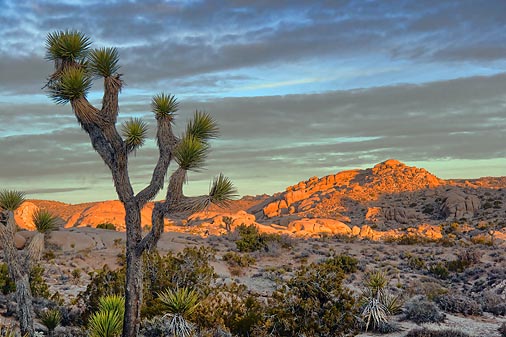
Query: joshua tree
[75,67]
[18,262]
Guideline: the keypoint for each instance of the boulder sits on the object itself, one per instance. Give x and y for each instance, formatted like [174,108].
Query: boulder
[459,205]
[315,226]
[24,215]
[400,214]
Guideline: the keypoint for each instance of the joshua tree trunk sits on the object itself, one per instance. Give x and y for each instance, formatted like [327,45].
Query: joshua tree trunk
[19,269]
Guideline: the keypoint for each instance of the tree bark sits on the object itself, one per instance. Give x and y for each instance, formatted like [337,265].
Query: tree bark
[133,282]
[19,271]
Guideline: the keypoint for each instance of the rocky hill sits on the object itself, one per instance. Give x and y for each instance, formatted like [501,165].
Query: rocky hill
[377,201]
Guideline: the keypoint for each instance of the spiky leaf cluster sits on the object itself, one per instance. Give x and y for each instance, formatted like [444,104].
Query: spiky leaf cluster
[51,318]
[164,106]
[73,83]
[108,321]
[44,221]
[67,45]
[222,190]
[202,126]
[181,301]
[11,199]
[191,153]
[103,62]
[134,132]
[105,324]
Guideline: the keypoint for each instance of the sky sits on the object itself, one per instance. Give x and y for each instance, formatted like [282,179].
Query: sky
[299,88]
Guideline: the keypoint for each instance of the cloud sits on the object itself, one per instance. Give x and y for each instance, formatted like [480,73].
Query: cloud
[268,143]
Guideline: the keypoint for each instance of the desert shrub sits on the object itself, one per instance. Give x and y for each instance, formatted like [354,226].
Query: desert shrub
[427,289]
[502,329]
[481,239]
[230,307]
[439,270]
[493,303]
[107,225]
[189,268]
[314,302]
[38,285]
[465,259]
[436,333]
[423,311]
[251,240]
[7,285]
[408,239]
[459,304]
[415,262]
[234,259]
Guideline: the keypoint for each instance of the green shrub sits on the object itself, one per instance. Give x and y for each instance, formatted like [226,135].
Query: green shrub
[7,285]
[231,307]
[234,259]
[439,270]
[107,225]
[314,302]
[251,240]
[189,268]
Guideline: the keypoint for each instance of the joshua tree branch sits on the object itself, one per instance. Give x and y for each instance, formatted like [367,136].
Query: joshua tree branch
[166,143]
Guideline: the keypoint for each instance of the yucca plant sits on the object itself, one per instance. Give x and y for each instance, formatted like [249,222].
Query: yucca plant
[191,153]
[51,318]
[377,303]
[103,62]
[179,304]
[67,46]
[108,320]
[134,133]
[105,324]
[11,199]
[44,222]
[164,106]
[73,83]
[202,126]
[222,191]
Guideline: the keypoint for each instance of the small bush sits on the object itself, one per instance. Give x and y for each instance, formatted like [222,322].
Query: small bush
[459,304]
[234,259]
[251,240]
[423,311]
[439,270]
[436,333]
[107,225]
